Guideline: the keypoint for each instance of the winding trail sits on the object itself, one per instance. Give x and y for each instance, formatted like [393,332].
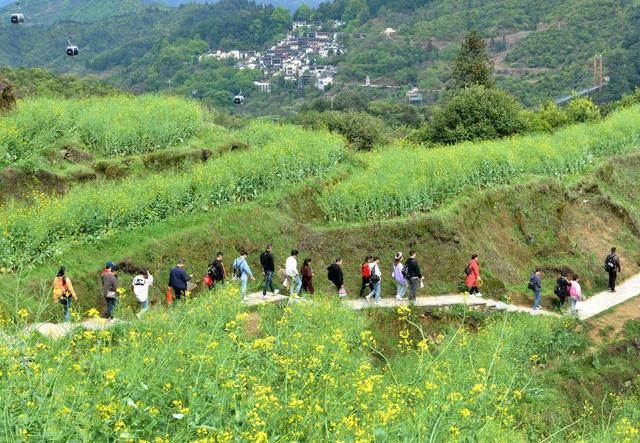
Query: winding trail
[592,307]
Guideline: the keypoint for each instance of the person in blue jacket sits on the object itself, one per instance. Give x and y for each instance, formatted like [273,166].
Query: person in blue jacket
[178,279]
[242,272]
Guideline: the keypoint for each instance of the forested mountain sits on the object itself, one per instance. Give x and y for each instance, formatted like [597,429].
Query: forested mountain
[540,49]
[51,11]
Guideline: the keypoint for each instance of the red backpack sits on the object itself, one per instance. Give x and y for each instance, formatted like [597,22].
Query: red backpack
[366,270]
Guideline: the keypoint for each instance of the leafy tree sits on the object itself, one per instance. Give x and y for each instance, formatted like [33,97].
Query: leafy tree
[582,110]
[361,130]
[355,10]
[548,118]
[472,66]
[477,113]
[304,13]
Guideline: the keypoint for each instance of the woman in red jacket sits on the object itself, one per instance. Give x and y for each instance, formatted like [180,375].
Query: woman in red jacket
[473,275]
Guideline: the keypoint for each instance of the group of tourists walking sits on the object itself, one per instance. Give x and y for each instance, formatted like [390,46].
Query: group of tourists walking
[405,275]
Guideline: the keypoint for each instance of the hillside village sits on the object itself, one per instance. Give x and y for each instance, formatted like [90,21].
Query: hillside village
[295,57]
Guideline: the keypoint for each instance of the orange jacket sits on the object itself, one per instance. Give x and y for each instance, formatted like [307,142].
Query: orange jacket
[59,289]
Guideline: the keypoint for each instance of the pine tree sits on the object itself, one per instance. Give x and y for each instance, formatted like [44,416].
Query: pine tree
[472,65]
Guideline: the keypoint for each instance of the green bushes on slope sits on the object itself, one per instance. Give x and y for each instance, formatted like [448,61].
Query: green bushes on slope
[408,179]
[49,224]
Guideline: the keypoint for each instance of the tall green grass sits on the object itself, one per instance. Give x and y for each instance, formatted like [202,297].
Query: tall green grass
[109,126]
[49,225]
[306,373]
[401,179]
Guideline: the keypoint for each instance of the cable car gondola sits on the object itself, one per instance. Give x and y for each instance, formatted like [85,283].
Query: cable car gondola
[18,17]
[239,99]
[72,50]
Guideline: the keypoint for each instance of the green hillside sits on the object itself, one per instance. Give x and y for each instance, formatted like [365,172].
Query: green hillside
[46,12]
[540,50]
[214,370]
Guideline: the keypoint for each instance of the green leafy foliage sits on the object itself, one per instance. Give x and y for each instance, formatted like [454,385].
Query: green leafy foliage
[472,66]
[413,179]
[477,113]
[361,130]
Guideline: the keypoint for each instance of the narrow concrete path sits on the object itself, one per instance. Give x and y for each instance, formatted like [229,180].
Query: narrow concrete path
[604,301]
[593,306]
[431,301]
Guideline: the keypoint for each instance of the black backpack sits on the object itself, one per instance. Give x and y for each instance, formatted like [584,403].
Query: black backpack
[467,270]
[610,263]
[405,272]
[374,277]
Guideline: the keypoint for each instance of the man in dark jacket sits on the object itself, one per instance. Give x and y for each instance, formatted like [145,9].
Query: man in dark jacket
[110,288]
[266,260]
[535,284]
[562,288]
[334,274]
[216,270]
[178,279]
[612,266]
[413,275]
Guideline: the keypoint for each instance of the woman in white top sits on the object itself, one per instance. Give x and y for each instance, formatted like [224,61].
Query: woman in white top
[401,282]
[141,284]
[376,280]
[291,269]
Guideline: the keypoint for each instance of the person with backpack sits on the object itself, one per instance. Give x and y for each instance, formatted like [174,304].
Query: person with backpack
[376,280]
[365,271]
[335,276]
[217,273]
[612,266]
[398,277]
[268,266]
[109,281]
[63,293]
[411,272]
[291,270]
[575,292]
[562,288]
[535,284]
[178,281]
[473,276]
[140,286]
[307,276]
[242,272]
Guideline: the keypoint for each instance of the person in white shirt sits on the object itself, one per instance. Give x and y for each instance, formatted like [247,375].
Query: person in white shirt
[291,269]
[376,280]
[141,284]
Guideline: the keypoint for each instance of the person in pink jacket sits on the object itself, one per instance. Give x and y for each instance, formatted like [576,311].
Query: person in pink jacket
[473,275]
[575,292]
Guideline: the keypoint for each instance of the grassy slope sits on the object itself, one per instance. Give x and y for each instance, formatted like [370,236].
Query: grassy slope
[544,222]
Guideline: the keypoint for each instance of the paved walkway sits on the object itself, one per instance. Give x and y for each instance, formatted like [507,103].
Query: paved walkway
[431,301]
[587,309]
[606,300]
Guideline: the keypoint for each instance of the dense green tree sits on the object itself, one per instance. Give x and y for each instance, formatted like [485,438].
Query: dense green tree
[304,12]
[472,65]
[355,10]
[477,113]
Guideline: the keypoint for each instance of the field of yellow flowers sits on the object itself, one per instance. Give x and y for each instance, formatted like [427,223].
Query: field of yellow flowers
[401,179]
[113,126]
[307,373]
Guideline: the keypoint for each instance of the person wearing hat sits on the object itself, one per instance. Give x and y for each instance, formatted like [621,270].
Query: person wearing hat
[110,288]
[178,279]
[63,293]
[401,282]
